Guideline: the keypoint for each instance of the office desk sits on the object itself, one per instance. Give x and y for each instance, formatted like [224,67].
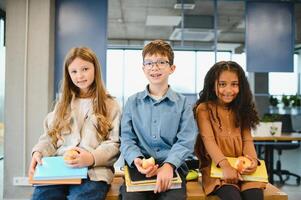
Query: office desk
[269,142]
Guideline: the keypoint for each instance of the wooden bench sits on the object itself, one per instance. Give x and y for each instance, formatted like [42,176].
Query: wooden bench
[195,191]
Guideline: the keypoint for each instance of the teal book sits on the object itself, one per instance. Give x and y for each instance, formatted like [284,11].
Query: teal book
[54,168]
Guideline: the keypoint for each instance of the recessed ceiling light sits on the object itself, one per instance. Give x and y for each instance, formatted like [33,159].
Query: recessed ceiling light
[186,6]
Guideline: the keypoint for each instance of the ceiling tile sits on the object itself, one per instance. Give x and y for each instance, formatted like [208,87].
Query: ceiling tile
[163,20]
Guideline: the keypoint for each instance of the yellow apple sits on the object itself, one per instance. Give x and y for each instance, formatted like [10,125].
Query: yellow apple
[146,163]
[242,163]
[69,155]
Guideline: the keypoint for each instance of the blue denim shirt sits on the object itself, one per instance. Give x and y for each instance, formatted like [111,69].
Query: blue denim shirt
[164,129]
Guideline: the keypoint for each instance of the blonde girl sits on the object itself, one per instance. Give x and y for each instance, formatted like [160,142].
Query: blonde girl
[85,119]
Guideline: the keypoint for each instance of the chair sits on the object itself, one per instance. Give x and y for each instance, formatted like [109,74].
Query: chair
[286,128]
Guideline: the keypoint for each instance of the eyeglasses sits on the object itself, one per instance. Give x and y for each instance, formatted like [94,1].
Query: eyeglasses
[148,64]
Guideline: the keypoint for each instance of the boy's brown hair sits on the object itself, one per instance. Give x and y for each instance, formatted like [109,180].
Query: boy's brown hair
[159,47]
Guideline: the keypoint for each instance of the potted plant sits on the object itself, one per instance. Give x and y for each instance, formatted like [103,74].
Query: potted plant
[270,124]
[270,118]
[286,103]
[273,101]
[286,100]
[296,100]
[273,104]
[296,103]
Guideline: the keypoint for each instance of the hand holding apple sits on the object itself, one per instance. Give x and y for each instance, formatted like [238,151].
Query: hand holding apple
[242,163]
[70,154]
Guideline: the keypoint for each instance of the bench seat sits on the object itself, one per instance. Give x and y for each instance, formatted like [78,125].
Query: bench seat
[195,191]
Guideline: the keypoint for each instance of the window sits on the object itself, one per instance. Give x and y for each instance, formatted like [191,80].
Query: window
[183,79]
[134,79]
[289,81]
[125,75]
[205,60]
[115,70]
[241,60]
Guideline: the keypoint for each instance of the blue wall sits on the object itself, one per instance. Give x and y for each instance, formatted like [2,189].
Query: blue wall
[80,23]
[270,36]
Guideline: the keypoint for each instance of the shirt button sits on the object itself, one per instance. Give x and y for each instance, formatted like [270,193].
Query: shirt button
[155,121]
[154,136]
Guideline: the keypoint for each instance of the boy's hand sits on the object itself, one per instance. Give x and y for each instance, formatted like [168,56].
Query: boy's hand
[164,177]
[252,168]
[82,159]
[36,159]
[149,172]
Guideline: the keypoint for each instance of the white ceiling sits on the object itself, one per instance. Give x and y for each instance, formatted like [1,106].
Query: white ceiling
[132,22]
[128,23]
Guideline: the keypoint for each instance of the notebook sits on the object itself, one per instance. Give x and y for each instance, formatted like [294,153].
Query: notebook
[136,182]
[54,182]
[260,174]
[54,168]
[137,177]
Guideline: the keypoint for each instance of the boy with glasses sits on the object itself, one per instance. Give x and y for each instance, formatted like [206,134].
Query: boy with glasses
[158,123]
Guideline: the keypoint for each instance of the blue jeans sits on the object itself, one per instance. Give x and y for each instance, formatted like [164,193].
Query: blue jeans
[88,190]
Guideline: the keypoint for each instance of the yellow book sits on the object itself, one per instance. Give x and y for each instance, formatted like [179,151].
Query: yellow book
[259,175]
[148,184]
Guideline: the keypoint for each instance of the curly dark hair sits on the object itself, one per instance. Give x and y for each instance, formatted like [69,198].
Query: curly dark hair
[243,105]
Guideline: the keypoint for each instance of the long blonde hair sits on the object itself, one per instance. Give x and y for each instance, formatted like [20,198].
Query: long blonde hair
[68,90]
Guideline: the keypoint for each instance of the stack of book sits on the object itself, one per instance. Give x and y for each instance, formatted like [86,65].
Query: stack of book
[260,174]
[54,171]
[137,182]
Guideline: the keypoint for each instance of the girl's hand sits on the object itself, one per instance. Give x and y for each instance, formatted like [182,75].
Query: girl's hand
[252,168]
[150,171]
[164,177]
[82,159]
[230,174]
[36,159]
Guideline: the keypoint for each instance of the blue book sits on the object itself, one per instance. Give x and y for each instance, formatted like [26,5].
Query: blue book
[54,168]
